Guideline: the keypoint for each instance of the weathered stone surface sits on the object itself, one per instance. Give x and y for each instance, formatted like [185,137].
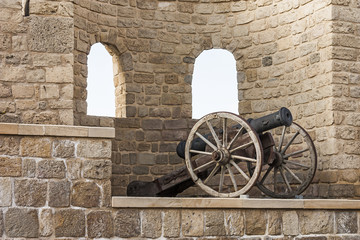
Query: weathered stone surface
[234,223]
[100,224]
[346,222]
[274,222]
[127,223]
[69,223]
[255,222]
[192,223]
[51,169]
[35,147]
[74,168]
[28,167]
[51,34]
[63,149]
[59,194]
[214,223]
[313,222]
[1,223]
[97,169]
[30,192]
[171,223]
[94,149]
[46,219]
[85,194]
[20,222]
[10,167]
[290,221]
[151,224]
[5,193]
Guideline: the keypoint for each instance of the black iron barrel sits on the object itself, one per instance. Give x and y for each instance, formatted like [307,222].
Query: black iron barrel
[283,117]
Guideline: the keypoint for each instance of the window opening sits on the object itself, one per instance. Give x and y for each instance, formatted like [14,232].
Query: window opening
[100,84]
[214,84]
[26,8]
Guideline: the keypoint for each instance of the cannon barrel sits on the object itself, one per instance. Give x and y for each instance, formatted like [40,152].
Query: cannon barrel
[283,117]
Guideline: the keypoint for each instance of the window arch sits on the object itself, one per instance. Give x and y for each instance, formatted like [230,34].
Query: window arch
[100,84]
[214,85]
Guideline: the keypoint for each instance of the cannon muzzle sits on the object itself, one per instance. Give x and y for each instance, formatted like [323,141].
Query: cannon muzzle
[283,117]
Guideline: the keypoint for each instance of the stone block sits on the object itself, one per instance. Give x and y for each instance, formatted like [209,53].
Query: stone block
[146,158]
[59,194]
[63,149]
[85,194]
[151,124]
[30,192]
[171,223]
[21,222]
[35,147]
[127,223]
[174,135]
[97,169]
[151,224]
[74,168]
[51,169]
[28,167]
[255,222]
[100,224]
[46,219]
[234,223]
[274,222]
[10,167]
[1,223]
[69,223]
[214,223]
[94,149]
[290,221]
[5,193]
[51,34]
[316,222]
[346,222]
[9,145]
[60,74]
[49,92]
[192,223]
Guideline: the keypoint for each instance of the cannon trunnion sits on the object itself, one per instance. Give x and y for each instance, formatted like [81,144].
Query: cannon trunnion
[226,156]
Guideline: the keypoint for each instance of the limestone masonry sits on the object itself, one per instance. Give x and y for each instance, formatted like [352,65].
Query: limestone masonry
[59,167]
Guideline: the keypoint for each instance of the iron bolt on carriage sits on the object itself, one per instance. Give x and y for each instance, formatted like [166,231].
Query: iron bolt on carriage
[226,155]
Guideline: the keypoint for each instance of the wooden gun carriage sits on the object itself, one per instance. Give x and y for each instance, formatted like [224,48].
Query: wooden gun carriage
[226,155]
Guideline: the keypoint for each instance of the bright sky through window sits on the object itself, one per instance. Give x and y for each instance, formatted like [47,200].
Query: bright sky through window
[214,84]
[100,84]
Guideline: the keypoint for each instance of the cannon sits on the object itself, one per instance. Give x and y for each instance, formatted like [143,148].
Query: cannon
[226,155]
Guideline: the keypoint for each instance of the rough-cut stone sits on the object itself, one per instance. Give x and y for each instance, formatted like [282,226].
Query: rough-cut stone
[290,221]
[255,222]
[1,223]
[151,224]
[28,167]
[171,223]
[51,169]
[214,223]
[64,149]
[85,194]
[74,168]
[100,224]
[20,222]
[346,222]
[192,223]
[35,147]
[10,167]
[30,192]
[127,223]
[274,222]
[234,223]
[314,222]
[70,223]
[94,149]
[46,219]
[97,169]
[59,194]
[5,193]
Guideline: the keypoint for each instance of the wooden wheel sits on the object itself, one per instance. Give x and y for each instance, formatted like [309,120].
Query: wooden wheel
[221,168]
[293,166]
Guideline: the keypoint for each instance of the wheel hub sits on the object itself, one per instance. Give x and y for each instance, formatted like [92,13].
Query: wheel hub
[278,161]
[222,156]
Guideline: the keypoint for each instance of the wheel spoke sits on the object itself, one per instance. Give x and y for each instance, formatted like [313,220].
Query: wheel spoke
[239,170]
[285,179]
[290,142]
[275,173]
[236,136]
[204,166]
[206,141]
[244,158]
[232,177]
[224,133]
[282,138]
[213,133]
[295,153]
[292,174]
[296,164]
[266,174]
[200,152]
[213,172]
[222,176]
[242,147]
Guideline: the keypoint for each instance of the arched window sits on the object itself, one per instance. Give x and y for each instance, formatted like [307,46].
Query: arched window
[214,84]
[100,84]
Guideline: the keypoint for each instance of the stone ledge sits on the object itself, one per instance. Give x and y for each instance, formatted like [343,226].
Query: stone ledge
[226,203]
[56,130]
